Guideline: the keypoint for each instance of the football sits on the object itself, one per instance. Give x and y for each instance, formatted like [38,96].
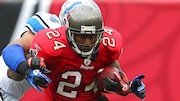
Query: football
[103,73]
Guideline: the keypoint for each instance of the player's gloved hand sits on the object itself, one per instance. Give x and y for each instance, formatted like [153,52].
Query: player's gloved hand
[138,87]
[33,70]
[119,86]
[39,63]
[36,78]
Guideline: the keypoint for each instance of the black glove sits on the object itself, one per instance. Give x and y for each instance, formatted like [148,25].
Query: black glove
[138,87]
[120,85]
[111,85]
[39,63]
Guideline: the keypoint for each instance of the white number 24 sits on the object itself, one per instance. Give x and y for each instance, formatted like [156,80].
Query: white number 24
[73,93]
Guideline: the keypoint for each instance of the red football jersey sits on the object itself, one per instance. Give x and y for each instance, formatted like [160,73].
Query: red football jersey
[72,76]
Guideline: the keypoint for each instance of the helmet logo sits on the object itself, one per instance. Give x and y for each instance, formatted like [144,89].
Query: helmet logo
[68,9]
[53,19]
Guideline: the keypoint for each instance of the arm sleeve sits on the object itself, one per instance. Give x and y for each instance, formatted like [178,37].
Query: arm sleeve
[13,55]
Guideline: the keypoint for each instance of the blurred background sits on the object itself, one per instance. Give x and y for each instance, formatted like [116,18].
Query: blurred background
[151,38]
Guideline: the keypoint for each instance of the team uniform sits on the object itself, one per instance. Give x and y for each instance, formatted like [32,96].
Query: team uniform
[72,76]
[13,90]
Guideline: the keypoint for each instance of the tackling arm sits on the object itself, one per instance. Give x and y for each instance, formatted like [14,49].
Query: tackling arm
[7,54]
[13,54]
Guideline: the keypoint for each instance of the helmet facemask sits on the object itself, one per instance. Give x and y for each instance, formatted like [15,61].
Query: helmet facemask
[86,31]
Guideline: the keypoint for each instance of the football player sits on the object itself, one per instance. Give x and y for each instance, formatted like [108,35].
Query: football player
[11,90]
[86,39]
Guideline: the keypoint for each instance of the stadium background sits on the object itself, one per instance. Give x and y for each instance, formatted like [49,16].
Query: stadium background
[151,35]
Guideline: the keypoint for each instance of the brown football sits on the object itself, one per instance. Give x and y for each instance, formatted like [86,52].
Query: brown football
[103,73]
